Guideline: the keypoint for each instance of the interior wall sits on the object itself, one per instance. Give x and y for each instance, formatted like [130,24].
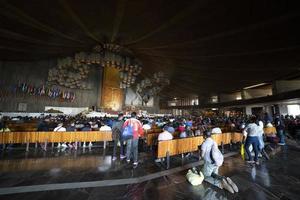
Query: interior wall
[230,97]
[35,73]
[255,93]
[285,86]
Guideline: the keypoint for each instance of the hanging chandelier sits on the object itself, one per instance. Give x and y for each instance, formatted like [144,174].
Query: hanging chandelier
[72,71]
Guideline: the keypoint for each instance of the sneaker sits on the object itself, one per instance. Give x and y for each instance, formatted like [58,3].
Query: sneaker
[135,164]
[122,157]
[281,143]
[250,161]
[128,161]
[64,145]
[226,186]
[114,158]
[233,185]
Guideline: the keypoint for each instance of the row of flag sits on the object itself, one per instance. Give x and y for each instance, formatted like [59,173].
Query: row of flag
[51,92]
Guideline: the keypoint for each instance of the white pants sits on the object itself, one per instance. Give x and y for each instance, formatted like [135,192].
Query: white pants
[207,170]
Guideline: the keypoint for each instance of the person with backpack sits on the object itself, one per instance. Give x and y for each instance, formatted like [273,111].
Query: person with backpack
[213,159]
[132,130]
[117,129]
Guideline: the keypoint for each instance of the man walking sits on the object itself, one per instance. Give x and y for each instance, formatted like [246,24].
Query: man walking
[132,143]
[116,136]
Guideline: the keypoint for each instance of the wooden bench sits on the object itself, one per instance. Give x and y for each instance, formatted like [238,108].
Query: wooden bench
[38,137]
[191,144]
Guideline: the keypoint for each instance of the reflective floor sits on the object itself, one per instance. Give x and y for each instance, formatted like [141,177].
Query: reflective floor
[278,178]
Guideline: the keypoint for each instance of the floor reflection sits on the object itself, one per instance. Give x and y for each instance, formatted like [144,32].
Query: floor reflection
[278,178]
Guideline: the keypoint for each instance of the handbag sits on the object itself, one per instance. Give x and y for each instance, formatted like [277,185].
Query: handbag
[195,178]
[243,151]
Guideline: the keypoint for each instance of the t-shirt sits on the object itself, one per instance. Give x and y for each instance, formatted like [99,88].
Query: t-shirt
[146,127]
[251,130]
[260,128]
[136,125]
[206,149]
[165,136]
[105,128]
[60,129]
[4,130]
[183,134]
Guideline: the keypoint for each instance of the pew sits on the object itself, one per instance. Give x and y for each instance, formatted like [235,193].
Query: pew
[40,137]
[191,144]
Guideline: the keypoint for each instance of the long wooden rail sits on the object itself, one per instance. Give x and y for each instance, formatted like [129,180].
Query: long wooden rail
[191,144]
[52,137]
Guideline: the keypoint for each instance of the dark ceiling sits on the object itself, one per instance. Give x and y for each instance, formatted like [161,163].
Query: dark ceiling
[206,46]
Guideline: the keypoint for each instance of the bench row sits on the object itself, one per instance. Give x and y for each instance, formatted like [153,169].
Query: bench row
[33,137]
[191,144]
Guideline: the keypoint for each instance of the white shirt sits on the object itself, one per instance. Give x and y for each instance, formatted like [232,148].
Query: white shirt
[206,148]
[105,128]
[183,134]
[251,130]
[146,127]
[260,128]
[165,136]
[269,125]
[60,129]
[94,126]
[216,130]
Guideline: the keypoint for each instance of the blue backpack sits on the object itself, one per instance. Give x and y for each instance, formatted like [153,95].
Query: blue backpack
[127,132]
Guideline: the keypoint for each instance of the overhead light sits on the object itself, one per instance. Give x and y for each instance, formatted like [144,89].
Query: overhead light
[175,98]
[214,109]
[238,98]
[254,86]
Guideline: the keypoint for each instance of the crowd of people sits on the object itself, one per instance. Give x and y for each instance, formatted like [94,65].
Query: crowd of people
[126,130]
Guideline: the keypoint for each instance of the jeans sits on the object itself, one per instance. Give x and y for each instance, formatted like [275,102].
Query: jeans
[132,149]
[210,172]
[115,147]
[255,143]
[281,136]
[261,143]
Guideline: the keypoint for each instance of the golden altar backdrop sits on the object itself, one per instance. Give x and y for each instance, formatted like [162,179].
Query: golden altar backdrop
[112,96]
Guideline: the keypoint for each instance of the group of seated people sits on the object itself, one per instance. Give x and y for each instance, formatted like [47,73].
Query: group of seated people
[173,126]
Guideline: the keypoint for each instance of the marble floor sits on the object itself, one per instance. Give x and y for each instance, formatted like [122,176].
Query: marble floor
[278,178]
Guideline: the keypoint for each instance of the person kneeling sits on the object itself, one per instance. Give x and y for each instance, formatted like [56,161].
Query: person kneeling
[213,159]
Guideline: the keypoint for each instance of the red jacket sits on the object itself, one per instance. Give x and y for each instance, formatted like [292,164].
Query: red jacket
[136,125]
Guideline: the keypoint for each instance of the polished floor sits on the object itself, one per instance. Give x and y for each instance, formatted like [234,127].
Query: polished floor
[278,178]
